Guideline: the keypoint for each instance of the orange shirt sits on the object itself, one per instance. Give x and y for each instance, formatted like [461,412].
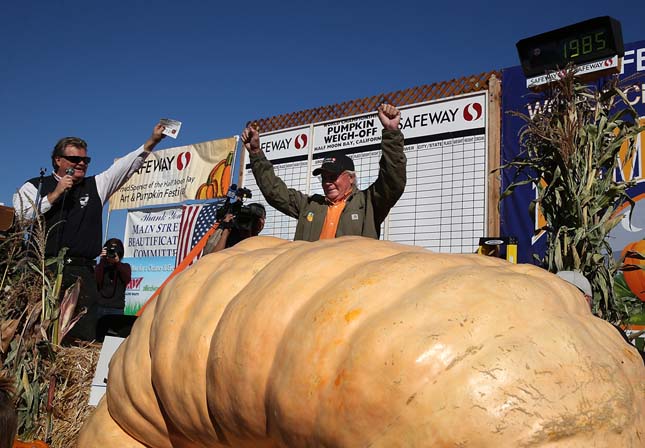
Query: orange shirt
[331,220]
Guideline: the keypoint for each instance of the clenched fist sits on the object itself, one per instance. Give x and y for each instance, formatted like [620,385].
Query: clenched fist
[390,116]
[251,140]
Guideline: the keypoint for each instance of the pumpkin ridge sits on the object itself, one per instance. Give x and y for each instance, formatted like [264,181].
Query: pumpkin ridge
[206,312]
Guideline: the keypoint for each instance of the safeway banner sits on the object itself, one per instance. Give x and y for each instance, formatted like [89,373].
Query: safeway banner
[170,176]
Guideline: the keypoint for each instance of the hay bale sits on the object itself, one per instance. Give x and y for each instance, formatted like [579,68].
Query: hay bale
[74,369]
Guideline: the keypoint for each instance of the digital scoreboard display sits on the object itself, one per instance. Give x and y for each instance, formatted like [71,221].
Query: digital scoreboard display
[577,44]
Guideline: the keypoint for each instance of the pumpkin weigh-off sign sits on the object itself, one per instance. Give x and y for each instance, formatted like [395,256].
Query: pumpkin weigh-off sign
[355,342]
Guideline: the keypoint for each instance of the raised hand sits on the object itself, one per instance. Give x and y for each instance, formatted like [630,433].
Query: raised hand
[251,140]
[156,137]
[390,116]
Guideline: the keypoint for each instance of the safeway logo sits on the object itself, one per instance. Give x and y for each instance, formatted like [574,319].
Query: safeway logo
[473,111]
[609,62]
[183,159]
[135,283]
[300,141]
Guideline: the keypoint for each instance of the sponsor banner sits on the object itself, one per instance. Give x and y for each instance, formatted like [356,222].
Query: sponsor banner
[449,115]
[291,143]
[439,117]
[152,232]
[148,273]
[170,176]
[514,210]
[584,69]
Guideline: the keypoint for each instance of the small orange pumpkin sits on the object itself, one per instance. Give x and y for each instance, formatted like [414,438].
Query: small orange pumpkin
[225,180]
[216,172]
[206,191]
[635,279]
[220,175]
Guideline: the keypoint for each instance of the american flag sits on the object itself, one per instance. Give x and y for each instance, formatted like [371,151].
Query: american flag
[196,219]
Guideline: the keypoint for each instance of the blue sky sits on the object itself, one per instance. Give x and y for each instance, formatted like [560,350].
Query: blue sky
[108,71]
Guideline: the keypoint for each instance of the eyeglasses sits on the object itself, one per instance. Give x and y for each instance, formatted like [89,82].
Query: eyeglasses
[78,159]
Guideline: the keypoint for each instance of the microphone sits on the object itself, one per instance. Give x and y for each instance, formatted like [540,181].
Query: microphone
[231,194]
[231,197]
[69,172]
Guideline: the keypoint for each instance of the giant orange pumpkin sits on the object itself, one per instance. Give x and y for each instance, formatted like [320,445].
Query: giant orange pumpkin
[354,342]
[635,279]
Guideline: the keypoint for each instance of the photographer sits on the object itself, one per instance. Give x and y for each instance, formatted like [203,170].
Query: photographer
[112,277]
[234,227]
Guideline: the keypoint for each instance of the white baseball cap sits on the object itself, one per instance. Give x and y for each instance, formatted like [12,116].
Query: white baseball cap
[578,280]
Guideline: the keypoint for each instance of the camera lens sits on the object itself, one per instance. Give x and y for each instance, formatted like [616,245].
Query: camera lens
[110,252]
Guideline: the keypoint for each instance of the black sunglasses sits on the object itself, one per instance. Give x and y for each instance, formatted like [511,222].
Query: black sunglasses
[78,159]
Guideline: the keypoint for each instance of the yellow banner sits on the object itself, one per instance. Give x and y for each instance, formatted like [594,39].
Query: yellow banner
[169,176]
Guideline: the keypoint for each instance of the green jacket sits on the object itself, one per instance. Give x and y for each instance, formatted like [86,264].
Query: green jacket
[364,211]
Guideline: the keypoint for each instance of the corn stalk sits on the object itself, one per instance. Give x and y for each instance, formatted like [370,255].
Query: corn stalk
[571,151]
[30,327]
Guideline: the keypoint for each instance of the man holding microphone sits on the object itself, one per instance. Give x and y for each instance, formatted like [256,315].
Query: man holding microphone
[72,207]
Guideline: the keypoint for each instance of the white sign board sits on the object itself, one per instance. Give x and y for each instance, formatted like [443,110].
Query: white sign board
[443,207]
[152,233]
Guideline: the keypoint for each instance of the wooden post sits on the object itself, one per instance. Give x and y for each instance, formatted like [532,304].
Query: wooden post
[239,146]
[494,153]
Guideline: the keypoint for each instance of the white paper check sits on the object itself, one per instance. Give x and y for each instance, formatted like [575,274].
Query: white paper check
[172,127]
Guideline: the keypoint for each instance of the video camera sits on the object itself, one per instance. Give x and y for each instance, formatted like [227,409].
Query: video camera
[244,215]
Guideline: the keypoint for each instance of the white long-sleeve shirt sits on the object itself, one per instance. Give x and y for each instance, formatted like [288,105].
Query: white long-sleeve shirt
[107,182]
